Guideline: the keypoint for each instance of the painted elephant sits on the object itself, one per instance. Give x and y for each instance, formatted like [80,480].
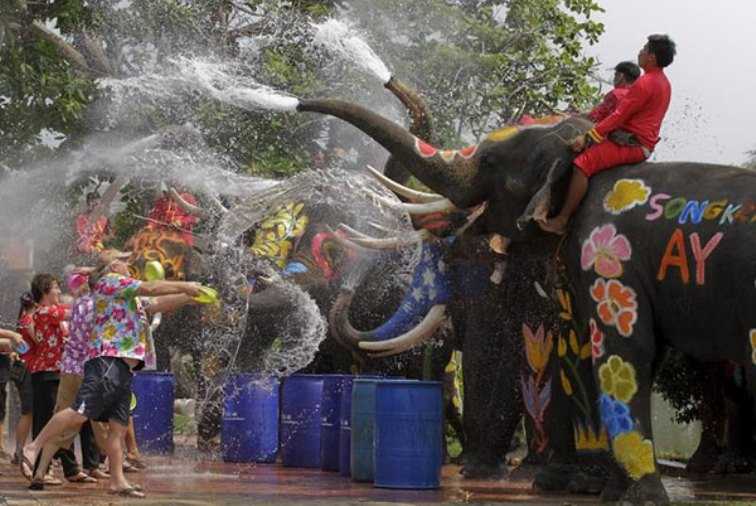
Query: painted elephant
[466,291]
[287,250]
[636,257]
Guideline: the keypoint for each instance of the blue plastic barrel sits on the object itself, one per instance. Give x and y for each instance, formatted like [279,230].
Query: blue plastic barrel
[363,421]
[153,416]
[408,434]
[330,412]
[345,427]
[249,429]
[300,420]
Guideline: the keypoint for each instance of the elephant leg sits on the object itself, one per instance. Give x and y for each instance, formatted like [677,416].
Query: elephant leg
[625,375]
[491,362]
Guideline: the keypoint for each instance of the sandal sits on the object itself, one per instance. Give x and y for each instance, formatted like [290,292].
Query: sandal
[26,466]
[136,463]
[37,484]
[81,478]
[128,492]
[52,480]
[128,467]
[99,474]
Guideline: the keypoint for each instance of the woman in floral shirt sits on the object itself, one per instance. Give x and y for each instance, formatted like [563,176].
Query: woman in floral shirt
[120,335]
[49,336]
[77,350]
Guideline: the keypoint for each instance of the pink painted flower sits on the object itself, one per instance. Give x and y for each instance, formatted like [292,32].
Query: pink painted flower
[605,250]
[597,340]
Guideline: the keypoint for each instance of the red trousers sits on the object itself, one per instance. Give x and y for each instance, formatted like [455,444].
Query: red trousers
[606,155]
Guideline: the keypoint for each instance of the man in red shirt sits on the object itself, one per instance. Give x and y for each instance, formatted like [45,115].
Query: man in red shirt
[633,128]
[625,74]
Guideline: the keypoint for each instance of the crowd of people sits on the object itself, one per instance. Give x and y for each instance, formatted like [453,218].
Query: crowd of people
[72,357]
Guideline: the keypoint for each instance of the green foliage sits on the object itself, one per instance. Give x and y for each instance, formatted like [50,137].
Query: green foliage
[481,64]
[681,381]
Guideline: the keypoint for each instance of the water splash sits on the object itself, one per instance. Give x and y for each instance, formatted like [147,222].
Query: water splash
[219,80]
[340,38]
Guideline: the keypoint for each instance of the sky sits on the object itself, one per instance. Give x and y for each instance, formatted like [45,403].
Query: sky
[713,76]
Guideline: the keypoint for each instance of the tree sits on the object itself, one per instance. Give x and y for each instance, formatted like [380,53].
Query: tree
[480,63]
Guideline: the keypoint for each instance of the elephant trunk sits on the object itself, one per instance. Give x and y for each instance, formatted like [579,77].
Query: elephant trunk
[450,173]
[422,125]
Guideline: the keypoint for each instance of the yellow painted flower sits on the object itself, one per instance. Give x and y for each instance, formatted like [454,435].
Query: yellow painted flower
[562,347]
[538,346]
[617,378]
[626,194]
[574,343]
[566,304]
[587,439]
[101,306]
[585,351]
[566,385]
[752,336]
[635,454]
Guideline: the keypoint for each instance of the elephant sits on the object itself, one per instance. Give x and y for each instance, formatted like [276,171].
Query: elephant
[288,248]
[628,257]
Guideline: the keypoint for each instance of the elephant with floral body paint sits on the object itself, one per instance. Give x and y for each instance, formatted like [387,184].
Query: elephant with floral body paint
[659,254]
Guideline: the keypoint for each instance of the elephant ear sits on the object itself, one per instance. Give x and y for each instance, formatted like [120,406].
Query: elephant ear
[538,207]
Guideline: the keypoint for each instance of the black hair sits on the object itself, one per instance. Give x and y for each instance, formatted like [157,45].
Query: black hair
[26,301]
[41,285]
[92,197]
[661,46]
[630,70]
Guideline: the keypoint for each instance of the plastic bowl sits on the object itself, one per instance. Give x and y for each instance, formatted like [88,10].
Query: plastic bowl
[153,271]
[207,295]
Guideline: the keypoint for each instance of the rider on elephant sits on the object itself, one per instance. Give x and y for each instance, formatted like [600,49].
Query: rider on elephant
[625,74]
[633,129]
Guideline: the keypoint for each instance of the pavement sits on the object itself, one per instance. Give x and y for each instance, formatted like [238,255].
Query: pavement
[186,479]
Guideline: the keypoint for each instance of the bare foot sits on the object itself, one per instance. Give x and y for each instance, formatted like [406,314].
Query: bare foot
[555,225]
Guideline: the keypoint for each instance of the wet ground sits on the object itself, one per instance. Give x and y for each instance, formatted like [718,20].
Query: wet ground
[184,480]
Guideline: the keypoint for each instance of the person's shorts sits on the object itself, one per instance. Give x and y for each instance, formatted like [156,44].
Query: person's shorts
[606,155]
[105,392]
[23,382]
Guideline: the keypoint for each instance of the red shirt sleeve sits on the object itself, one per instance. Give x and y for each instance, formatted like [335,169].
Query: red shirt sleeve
[636,98]
[605,108]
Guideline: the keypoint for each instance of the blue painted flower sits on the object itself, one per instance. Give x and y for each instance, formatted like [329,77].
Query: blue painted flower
[615,415]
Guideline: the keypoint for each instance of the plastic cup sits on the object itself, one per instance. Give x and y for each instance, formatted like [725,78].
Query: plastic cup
[153,271]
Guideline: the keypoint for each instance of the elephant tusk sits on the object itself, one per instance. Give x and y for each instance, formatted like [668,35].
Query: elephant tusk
[437,206]
[416,335]
[399,189]
[218,205]
[186,206]
[393,242]
[353,231]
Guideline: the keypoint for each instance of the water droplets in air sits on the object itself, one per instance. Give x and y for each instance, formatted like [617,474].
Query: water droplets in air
[340,38]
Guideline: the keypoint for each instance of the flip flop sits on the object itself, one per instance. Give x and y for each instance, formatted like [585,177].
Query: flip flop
[53,481]
[27,468]
[130,492]
[81,478]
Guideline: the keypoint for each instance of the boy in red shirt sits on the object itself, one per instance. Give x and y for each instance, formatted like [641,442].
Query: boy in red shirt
[625,74]
[634,127]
